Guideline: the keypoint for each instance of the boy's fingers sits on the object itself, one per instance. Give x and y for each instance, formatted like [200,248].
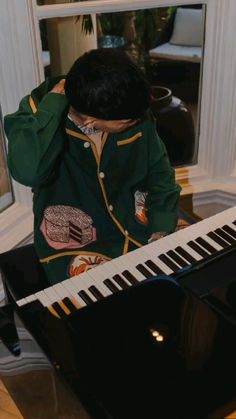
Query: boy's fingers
[59,87]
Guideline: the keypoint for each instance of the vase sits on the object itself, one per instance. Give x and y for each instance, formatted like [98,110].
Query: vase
[174,124]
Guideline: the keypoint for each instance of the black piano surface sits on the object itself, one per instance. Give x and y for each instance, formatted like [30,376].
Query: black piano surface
[164,348]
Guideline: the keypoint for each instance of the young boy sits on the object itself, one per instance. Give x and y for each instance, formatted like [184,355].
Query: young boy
[101,179]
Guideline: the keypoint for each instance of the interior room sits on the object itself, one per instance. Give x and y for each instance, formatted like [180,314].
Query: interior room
[186,51]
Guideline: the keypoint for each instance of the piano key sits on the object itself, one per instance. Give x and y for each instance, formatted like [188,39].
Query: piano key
[152,251]
[180,261]
[56,297]
[155,268]
[95,291]
[185,254]
[229,230]
[201,231]
[30,298]
[146,272]
[69,285]
[198,249]
[70,304]
[130,278]
[82,282]
[111,286]
[44,300]
[172,265]
[98,274]
[225,236]
[63,293]
[120,281]
[107,270]
[206,245]
[128,264]
[218,239]
[86,297]
[58,309]
[22,302]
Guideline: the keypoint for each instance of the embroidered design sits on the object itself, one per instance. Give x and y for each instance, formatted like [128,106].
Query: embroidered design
[140,209]
[83,263]
[67,227]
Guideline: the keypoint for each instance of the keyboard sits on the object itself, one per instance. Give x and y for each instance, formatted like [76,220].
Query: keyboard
[170,256]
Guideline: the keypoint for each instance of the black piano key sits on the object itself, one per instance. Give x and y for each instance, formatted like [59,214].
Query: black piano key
[97,294]
[58,309]
[206,245]
[154,267]
[110,285]
[130,277]
[169,262]
[185,254]
[83,294]
[225,236]
[141,268]
[123,284]
[198,249]
[229,230]
[177,258]
[68,303]
[218,239]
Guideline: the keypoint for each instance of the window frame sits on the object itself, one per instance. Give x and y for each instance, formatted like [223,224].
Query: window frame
[22,69]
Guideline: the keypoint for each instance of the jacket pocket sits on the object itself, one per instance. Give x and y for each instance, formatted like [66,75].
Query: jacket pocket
[130,140]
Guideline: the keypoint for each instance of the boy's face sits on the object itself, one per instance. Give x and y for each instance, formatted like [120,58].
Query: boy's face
[102,124]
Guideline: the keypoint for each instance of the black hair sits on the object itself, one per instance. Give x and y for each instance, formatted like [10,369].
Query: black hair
[107,84]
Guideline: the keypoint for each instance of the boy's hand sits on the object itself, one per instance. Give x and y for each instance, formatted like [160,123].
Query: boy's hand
[59,87]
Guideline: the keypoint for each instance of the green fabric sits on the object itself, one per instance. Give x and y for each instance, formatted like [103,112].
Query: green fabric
[63,171]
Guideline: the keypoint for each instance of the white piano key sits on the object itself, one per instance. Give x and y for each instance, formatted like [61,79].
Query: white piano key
[22,302]
[52,295]
[138,257]
[69,285]
[99,274]
[129,262]
[155,249]
[82,282]
[30,298]
[43,298]
[125,263]
[61,291]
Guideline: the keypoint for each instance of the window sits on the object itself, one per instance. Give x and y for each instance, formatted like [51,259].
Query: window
[167,43]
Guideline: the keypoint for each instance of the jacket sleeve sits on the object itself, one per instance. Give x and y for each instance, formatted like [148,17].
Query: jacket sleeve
[33,147]
[163,192]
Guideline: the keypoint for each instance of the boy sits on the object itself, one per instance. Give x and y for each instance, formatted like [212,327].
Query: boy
[101,178]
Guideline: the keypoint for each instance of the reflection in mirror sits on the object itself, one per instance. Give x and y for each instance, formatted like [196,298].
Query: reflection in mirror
[167,43]
[6,195]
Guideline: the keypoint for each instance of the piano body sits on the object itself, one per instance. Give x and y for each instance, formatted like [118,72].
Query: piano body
[151,334]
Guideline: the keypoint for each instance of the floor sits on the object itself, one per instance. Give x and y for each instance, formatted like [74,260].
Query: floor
[8,409]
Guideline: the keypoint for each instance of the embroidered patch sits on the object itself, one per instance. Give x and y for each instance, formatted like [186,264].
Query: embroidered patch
[67,227]
[83,263]
[140,209]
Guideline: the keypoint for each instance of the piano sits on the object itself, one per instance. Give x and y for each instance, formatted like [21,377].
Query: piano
[150,334]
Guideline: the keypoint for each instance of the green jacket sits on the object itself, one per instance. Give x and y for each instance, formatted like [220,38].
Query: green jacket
[87,208]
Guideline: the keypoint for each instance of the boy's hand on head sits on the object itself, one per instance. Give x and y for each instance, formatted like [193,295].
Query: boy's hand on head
[59,87]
